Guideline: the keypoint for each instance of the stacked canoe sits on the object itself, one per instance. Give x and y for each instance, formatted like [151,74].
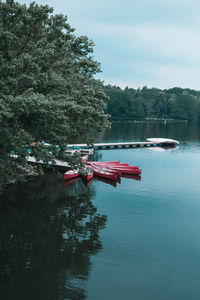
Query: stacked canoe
[111,170]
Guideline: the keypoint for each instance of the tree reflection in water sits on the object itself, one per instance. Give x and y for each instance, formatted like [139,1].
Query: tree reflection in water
[48,232]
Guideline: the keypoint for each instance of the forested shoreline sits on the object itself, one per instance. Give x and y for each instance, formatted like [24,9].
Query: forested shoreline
[47,87]
[147,103]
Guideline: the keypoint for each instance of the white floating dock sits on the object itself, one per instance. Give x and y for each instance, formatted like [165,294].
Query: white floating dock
[150,142]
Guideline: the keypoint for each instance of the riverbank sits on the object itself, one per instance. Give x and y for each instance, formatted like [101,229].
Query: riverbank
[29,172]
[152,120]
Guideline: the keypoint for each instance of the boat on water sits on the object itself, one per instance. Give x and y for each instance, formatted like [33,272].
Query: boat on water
[106,169]
[104,162]
[111,170]
[102,173]
[84,158]
[108,164]
[122,169]
[87,174]
[71,174]
[126,170]
[121,166]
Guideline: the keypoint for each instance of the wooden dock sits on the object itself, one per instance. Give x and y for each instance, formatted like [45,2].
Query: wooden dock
[152,142]
[59,164]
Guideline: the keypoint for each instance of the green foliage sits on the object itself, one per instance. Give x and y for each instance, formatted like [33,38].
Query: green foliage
[176,103]
[47,90]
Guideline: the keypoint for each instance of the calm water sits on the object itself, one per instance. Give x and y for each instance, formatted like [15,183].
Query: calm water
[138,240]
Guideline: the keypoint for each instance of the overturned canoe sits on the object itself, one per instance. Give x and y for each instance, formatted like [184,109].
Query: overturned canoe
[102,173]
[108,164]
[134,170]
[106,169]
[130,170]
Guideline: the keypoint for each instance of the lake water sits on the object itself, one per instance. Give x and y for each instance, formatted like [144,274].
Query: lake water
[137,240]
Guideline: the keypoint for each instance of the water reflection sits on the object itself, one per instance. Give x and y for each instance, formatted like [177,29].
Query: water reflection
[163,149]
[130,176]
[70,181]
[48,232]
[107,181]
[141,131]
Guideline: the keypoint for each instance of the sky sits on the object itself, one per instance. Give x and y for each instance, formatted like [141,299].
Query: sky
[153,43]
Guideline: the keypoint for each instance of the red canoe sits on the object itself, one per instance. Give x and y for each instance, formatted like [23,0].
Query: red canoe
[104,174]
[84,158]
[87,174]
[116,166]
[133,171]
[71,174]
[120,168]
[107,169]
[108,164]
[123,170]
[104,162]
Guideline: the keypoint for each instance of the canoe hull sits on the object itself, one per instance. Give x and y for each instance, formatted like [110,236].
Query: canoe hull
[134,170]
[107,169]
[105,162]
[84,158]
[87,177]
[110,176]
[71,174]
[101,173]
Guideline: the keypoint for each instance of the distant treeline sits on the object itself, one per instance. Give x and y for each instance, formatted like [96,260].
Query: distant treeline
[174,103]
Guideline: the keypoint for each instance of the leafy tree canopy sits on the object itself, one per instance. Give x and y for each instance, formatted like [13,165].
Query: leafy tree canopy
[47,89]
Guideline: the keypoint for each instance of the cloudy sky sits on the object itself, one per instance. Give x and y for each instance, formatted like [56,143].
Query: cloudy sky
[139,42]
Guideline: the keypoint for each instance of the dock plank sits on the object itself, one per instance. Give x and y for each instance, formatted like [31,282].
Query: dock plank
[150,143]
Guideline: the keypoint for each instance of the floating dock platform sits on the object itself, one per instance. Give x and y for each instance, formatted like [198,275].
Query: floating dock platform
[151,142]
